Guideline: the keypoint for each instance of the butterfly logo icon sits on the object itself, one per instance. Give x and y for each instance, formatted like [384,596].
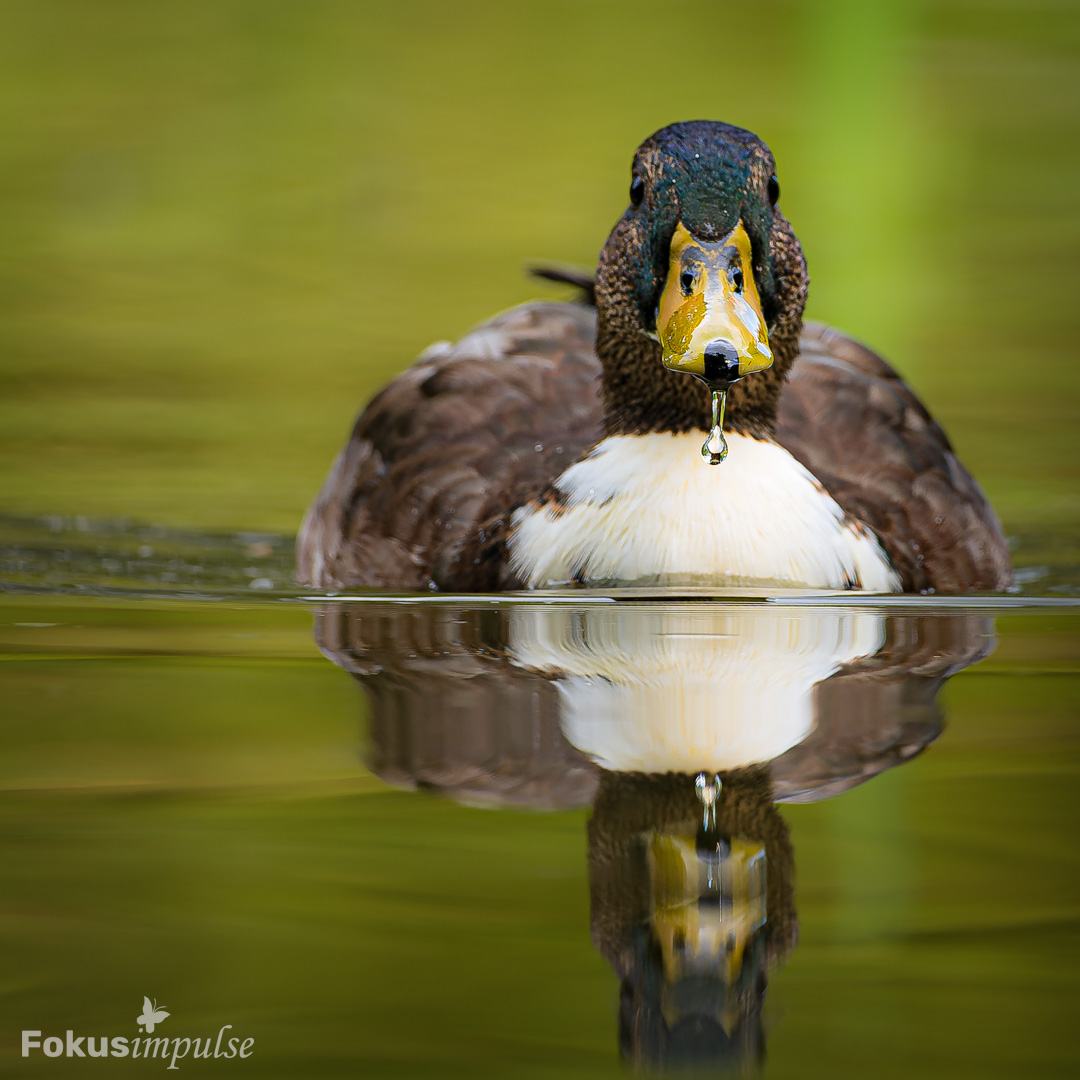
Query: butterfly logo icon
[151,1015]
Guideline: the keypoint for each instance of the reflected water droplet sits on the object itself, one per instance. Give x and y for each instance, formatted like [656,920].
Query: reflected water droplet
[715,447]
[708,791]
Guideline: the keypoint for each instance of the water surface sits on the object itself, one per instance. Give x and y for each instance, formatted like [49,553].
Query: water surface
[447,859]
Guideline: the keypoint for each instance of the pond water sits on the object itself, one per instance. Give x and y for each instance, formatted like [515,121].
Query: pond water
[397,836]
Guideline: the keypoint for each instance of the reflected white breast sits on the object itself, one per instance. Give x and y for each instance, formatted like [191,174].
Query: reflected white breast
[655,689]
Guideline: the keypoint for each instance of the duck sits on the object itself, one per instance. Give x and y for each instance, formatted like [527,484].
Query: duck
[561,443]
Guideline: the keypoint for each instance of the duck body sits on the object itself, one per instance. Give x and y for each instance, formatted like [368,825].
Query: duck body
[560,444]
[490,432]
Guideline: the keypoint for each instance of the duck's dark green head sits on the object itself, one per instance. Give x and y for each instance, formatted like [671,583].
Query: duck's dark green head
[703,262]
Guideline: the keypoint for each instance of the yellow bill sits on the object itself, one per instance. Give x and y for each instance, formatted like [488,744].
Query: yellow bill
[709,319]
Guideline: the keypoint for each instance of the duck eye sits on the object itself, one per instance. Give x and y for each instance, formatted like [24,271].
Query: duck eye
[637,190]
[686,282]
[737,280]
[774,190]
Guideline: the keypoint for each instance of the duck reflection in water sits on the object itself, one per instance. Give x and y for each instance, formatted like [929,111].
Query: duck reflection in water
[683,726]
[690,913]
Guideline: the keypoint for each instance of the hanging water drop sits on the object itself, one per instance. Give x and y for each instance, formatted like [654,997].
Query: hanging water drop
[715,447]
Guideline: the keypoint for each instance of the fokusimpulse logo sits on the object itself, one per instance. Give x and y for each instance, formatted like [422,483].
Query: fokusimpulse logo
[168,1049]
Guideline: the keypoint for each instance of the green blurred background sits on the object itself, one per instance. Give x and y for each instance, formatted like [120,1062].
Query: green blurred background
[227,222]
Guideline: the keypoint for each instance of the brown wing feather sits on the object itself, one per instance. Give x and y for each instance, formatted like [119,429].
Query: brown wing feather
[850,419]
[457,439]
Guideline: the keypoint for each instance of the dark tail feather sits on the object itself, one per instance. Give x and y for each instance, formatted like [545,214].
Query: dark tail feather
[566,275]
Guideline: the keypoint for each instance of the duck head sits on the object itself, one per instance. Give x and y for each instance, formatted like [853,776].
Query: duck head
[702,275]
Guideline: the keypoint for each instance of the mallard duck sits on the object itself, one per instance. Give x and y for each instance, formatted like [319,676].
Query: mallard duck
[561,444]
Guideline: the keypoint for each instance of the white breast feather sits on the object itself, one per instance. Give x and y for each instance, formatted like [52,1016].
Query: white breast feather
[647,508]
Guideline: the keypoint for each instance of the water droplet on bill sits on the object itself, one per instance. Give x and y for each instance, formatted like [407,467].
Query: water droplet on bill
[715,447]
